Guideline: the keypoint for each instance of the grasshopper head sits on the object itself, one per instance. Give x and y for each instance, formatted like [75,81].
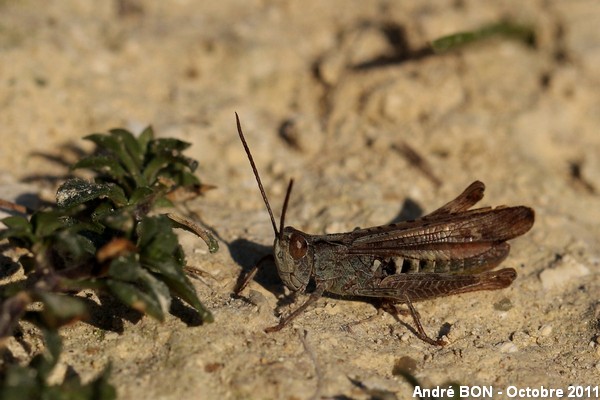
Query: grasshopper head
[293,258]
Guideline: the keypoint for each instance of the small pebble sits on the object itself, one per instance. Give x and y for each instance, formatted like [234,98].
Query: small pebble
[257,298]
[545,330]
[566,270]
[508,347]
[331,309]
[520,338]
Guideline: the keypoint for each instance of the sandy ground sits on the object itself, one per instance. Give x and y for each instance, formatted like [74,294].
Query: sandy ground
[524,120]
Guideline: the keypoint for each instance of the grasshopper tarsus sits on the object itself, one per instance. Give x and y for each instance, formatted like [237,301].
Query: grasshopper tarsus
[274,328]
[434,342]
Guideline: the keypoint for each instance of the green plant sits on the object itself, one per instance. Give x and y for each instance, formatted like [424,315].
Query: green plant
[103,235]
[31,381]
[507,29]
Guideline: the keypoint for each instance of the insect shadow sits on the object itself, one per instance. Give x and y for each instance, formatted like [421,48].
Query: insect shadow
[246,254]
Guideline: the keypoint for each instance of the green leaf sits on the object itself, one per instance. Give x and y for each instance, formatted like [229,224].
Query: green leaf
[105,142]
[104,165]
[135,298]
[169,166]
[80,284]
[128,269]
[140,193]
[45,223]
[53,349]
[73,248]
[73,389]
[185,178]
[153,167]
[161,253]
[122,219]
[508,29]
[11,310]
[60,309]
[155,237]
[100,388]
[131,145]
[163,202]
[180,176]
[103,210]
[164,158]
[145,138]
[19,383]
[115,145]
[11,289]
[172,274]
[17,222]
[45,362]
[117,196]
[168,146]
[18,228]
[78,191]
[30,381]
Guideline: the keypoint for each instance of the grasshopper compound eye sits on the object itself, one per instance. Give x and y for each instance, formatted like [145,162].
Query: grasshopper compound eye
[298,246]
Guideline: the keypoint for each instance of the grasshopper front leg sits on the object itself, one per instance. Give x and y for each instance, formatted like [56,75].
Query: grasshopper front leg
[243,282]
[314,296]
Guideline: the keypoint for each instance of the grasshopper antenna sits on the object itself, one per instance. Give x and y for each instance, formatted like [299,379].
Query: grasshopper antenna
[260,186]
[285,205]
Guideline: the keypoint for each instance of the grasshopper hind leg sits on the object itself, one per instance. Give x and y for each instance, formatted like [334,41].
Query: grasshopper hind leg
[420,333]
[407,288]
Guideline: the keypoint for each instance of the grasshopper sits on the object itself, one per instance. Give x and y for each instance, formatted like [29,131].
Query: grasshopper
[449,251]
